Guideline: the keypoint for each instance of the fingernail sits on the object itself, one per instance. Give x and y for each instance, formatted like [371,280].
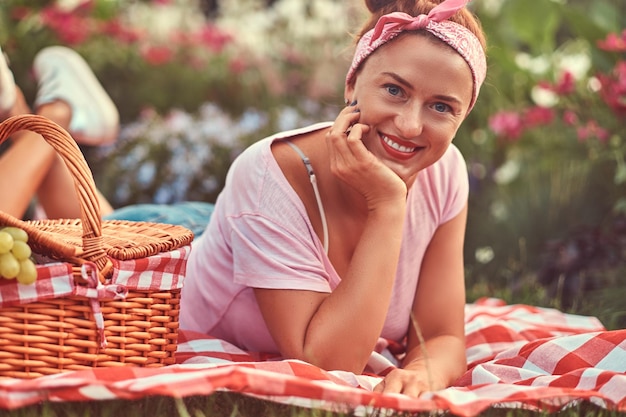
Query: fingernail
[353,103]
[356,111]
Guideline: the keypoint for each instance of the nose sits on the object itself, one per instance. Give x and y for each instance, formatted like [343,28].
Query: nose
[410,122]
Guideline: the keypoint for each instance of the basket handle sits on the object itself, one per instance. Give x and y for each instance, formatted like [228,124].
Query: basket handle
[84,185]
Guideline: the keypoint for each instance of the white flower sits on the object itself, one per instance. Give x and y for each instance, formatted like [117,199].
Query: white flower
[594,84]
[507,172]
[536,65]
[499,211]
[160,21]
[484,255]
[544,97]
[577,64]
[146,173]
[492,7]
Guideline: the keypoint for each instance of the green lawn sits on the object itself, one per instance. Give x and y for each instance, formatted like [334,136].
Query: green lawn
[224,404]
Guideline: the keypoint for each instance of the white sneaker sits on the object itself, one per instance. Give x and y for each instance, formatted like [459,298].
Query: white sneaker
[7,86]
[62,74]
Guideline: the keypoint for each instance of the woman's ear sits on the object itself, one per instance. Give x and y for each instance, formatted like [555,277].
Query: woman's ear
[348,93]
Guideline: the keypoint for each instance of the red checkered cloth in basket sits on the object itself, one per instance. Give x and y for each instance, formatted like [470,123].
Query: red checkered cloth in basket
[519,356]
[162,272]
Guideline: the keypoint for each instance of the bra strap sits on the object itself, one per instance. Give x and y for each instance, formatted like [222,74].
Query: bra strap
[320,206]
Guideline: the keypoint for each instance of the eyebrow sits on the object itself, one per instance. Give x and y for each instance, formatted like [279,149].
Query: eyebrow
[408,85]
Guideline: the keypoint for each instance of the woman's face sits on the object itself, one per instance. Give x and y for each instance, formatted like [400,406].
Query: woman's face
[414,94]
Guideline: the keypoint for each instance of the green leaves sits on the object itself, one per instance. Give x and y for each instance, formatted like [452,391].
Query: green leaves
[539,26]
[534,23]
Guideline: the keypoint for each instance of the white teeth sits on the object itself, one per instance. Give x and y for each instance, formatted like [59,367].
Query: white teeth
[397,146]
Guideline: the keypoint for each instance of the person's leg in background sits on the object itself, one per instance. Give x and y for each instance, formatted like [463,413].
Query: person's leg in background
[70,95]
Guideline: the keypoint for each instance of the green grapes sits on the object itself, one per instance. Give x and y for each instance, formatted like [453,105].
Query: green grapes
[16,233]
[21,250]
[6,242]
[28,272]
[9,266]
[15,253]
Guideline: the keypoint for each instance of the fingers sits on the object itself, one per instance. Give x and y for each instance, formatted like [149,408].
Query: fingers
[390,386]
[393,384]
[348,156]
[346,119]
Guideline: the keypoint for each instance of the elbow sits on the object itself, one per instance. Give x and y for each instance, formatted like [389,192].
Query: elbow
[332,358]
[458,369]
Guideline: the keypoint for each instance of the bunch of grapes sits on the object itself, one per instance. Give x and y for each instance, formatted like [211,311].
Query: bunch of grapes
[15,261]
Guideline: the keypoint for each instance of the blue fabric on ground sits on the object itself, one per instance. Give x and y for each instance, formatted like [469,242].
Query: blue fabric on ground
[194,215]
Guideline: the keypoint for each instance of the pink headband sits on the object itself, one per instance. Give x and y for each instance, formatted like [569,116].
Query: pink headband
[457,36]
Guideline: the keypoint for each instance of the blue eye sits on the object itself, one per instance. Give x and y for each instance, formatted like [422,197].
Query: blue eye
[393,90]
[442,107]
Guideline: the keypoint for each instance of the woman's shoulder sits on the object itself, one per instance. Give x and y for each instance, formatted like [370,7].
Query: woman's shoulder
[255,179]
[261,148]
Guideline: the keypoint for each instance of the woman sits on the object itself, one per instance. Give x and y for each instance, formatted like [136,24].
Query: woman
[317,261]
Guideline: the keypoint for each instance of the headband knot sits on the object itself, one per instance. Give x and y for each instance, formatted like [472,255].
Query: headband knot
[397,22]
[436,22]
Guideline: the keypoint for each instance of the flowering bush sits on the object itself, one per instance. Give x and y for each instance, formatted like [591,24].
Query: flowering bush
[167,53]
[580,116]
[548,172]
[580,119]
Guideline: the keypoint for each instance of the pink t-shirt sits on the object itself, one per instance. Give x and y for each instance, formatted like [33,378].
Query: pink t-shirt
[260,236]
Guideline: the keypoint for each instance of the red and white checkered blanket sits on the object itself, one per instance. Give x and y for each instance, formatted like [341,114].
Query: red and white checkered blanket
[518,356]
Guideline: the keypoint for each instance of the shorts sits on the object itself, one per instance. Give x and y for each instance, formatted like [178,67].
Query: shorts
[194,215]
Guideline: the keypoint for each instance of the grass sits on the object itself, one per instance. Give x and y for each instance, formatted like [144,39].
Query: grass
[225,404]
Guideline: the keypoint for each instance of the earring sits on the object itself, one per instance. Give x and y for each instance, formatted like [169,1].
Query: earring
[347,102]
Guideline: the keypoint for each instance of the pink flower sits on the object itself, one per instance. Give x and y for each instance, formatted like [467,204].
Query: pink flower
[565,85]
[237,65]
[570,118]
[506,124]
[592,129]
[614,43]
[613,88]
[119,32]
[70,27]
[157,55]
[537,116]
[211,37]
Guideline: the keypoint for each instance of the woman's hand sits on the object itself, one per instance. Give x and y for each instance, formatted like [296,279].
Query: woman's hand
[410,382]
[354,164]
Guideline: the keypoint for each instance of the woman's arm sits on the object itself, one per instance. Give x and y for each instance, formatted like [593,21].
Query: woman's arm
[340,329]
[436,340]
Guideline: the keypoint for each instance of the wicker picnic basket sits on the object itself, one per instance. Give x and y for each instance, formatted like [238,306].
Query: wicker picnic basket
[107,292]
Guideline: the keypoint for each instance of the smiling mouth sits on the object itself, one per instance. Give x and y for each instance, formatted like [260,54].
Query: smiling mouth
[397,147]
